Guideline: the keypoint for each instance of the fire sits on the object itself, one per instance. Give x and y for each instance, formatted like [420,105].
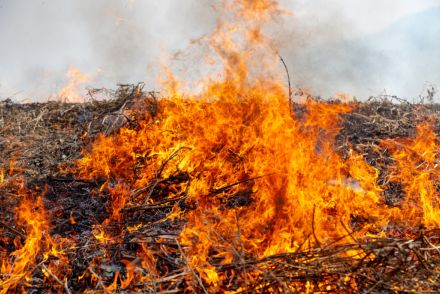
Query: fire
[251,177]
[261,182]
[416,168]
[20,268]
[35,249]
[71,92]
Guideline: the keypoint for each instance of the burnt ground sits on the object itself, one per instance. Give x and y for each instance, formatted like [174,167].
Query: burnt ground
[39,139]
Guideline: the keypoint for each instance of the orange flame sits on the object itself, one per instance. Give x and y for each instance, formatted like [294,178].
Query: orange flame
[31,215]
[416,168]
[35,249]
[262,180]
[72,91]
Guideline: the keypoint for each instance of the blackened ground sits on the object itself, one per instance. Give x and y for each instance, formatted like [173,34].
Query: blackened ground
[39,138]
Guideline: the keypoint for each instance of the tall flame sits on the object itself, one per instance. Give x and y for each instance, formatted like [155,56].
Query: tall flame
[257,178]
[261,182]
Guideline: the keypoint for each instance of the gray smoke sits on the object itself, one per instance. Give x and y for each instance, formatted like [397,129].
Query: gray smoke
[113,41]
[365,48]
[358,47]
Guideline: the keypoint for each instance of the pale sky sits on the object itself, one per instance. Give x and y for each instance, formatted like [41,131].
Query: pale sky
[357,17]
[121,41]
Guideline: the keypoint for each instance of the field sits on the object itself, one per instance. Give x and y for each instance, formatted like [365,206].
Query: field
[98,196]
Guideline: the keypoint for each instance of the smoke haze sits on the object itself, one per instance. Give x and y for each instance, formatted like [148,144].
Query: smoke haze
[358,47]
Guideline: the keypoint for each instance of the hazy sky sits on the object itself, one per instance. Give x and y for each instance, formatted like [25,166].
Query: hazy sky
[329,45]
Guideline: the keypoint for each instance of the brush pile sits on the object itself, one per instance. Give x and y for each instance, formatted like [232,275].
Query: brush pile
[87,246]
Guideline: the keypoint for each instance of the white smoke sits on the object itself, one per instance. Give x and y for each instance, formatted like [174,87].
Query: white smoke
[329,46]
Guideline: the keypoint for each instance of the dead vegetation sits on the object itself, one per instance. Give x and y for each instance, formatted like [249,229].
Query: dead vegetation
[40,137]
[39,140]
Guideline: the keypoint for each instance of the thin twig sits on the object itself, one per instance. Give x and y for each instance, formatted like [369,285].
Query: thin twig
[196,276]
[12,229]
[288,82]
[57,279]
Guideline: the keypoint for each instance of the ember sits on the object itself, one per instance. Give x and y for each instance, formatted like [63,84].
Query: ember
[232,189]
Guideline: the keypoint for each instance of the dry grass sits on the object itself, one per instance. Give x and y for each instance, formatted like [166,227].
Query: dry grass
[38,139]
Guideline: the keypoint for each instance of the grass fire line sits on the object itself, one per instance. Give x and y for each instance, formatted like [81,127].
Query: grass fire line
[237,188]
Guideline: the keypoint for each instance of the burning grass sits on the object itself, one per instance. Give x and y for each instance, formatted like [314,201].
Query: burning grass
[232,189]
[141,210]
